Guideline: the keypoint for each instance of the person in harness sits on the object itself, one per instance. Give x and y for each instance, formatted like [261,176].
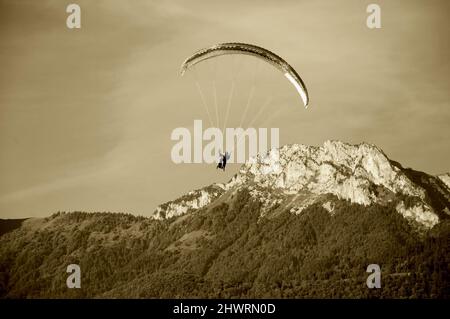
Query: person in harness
[223,158]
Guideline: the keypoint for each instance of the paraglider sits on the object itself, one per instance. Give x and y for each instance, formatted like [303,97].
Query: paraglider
[253,50]
[263,54]
[223,158]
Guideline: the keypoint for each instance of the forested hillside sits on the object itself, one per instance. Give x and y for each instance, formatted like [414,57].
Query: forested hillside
[227,251]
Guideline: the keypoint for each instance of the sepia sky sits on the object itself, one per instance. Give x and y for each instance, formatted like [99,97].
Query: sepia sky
[86,114]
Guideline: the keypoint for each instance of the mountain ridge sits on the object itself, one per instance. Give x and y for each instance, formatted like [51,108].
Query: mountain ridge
[360,173]
[288,225]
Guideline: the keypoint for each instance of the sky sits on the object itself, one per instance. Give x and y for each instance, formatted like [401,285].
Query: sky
[86,114]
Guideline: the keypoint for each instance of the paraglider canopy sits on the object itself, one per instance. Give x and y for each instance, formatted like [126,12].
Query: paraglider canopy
[250,49]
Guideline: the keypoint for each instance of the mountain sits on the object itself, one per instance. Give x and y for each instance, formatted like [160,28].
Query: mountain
[297,176]
[445,178]
[300,221]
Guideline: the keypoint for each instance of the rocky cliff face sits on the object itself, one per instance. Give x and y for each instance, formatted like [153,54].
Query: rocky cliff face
[296,176]
[445,178]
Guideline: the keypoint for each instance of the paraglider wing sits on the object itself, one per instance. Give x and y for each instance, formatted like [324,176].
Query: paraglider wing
[250,49]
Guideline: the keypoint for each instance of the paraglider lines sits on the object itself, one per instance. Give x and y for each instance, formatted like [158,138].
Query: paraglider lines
[261,110]
[249,100]
[215,103]
[230,98]
[202,96]
[250,97]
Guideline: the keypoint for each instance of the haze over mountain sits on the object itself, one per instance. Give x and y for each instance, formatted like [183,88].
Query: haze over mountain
[299,221]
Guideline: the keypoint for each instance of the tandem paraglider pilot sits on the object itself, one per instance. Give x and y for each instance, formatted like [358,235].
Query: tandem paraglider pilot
[223,158]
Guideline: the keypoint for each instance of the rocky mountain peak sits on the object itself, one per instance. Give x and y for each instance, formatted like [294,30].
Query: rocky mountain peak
[296,176]
[342,169]
[445,178]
